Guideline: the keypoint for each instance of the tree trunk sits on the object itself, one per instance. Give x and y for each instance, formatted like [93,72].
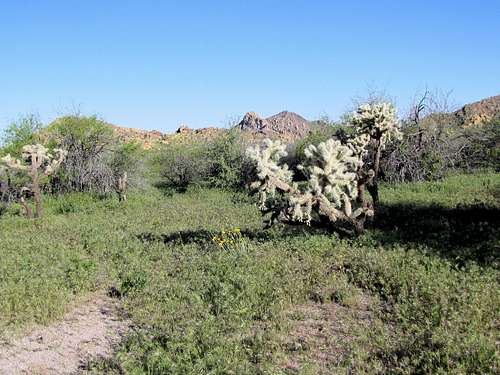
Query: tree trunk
[27,209]
[121,187]
[36,190]
[372,187]
[373,190]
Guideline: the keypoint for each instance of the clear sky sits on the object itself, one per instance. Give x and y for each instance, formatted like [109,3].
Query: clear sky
[157,64]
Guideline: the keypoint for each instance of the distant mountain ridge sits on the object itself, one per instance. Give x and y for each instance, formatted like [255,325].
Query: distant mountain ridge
[289,126]
[285,125]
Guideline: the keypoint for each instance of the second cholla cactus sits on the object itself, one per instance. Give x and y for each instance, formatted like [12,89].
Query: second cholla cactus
[378,124]
[36,162]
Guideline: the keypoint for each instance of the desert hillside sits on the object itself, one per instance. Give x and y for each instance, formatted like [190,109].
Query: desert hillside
[285,125]
[150,138]
[479,112]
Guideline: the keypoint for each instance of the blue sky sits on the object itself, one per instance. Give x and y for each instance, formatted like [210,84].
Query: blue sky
[157,64]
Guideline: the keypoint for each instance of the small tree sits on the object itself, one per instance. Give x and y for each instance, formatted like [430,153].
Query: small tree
[36,162]
[89,142]
[126,163]
[337,174]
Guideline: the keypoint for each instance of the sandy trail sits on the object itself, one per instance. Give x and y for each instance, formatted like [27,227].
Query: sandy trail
[89,331]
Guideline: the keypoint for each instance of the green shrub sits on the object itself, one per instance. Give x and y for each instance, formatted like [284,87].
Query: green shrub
[88,141]
[182,165]
[19,133]
[429,153]
[482,150]
[226,161]
[96,159]
[217,163]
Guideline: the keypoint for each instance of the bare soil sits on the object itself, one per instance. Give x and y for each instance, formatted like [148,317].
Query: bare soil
[89,331]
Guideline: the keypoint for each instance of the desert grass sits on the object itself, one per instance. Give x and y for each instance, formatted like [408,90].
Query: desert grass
[429,268]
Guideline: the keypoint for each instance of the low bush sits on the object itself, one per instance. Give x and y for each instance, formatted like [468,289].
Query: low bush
[219,162]
[429,152]
[482,149]
[88,141]
[226,161]
[182,165]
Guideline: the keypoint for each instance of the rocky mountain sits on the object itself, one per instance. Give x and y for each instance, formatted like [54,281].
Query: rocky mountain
[480,112]
[285,125]
[148,138]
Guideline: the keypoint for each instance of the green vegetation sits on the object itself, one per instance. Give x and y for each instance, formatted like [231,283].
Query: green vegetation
[217,162]
[429,267]
[209,291]
[20,133]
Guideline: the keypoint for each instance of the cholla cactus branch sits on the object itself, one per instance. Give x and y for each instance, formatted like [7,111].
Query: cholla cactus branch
[36,160]
[271,175]
[377,121]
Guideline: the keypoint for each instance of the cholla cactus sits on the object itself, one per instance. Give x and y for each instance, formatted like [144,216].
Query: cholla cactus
[36,159]
[270,174]
[336,173]
[378,120]
[331,189]
[332,172]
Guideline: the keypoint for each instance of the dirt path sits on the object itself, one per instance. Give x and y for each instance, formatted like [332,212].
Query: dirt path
[89,331]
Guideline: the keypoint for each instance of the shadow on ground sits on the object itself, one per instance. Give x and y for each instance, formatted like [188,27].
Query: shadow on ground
[461,234]
[200,236]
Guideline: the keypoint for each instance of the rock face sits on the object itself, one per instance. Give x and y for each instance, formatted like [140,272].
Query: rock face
[479,112]
[253,123]
[287,126]
[151,138]
[184,129]
[147,138]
